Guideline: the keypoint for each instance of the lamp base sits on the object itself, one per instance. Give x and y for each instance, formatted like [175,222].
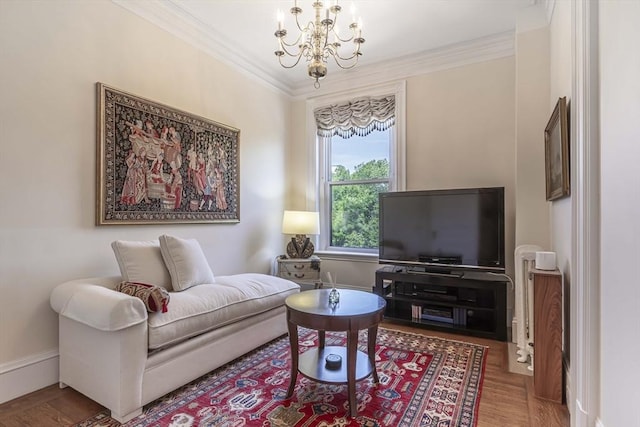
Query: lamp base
[300,247]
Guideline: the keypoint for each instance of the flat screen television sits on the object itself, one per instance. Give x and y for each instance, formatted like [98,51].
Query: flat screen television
[443,230]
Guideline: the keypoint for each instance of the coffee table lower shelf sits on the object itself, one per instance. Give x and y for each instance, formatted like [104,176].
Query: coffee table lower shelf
[311,364]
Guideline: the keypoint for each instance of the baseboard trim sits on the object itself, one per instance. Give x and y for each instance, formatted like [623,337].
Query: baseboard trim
[567,389]
[581,417]
[27,375]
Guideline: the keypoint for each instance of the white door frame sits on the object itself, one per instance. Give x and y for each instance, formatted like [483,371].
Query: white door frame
[585,182]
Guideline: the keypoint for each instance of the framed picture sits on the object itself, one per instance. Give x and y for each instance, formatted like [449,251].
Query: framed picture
[556,149]
[157,164]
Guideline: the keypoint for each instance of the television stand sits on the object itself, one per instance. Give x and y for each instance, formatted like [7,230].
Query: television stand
[445,302]
[438,272]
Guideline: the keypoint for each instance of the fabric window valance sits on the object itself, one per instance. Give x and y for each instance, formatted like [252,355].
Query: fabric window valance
[358,117]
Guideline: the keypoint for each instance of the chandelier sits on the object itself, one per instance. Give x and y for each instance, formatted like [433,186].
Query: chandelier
[313,42]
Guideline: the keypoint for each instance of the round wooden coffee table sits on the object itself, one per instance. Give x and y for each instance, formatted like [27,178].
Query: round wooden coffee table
[356,311]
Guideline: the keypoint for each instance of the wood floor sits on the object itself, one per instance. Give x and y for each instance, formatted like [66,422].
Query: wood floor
[507,399]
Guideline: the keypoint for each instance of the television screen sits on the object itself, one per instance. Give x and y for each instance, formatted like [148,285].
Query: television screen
[443,229]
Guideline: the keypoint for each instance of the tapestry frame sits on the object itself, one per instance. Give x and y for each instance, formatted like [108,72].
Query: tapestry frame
[163,186]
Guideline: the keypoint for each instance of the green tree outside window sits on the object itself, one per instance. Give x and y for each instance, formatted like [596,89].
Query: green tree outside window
[354,204]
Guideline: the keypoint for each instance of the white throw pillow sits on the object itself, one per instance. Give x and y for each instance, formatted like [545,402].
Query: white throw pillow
[142,262]
[186,262]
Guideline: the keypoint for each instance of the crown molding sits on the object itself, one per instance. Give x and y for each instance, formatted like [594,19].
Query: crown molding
[456,55]
[171,17]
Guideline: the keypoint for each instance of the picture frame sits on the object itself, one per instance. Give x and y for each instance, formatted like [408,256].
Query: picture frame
[157,164]
[556,149]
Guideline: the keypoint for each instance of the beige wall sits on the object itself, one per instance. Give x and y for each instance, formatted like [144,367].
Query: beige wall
[52,54]
[560,85]
[298,155]
[460,132]
[532,105]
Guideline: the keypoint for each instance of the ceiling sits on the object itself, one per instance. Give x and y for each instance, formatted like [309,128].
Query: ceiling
[399,34]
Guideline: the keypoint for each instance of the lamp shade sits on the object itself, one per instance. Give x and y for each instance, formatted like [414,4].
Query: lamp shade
[301,222]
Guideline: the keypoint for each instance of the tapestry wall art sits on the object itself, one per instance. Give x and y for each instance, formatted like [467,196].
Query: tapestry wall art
[157,164]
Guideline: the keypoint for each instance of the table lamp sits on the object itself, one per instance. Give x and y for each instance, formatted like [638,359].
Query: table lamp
[300,223]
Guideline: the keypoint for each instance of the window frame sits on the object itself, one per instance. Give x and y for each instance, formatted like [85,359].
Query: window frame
[319,166]
[325,194]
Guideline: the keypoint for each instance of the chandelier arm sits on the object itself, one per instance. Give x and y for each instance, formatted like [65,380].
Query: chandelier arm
[335,10]
[335,24]
[329,50]
[292,44]
[298,57]
[346,67]
[352,27]
[283,50]
[298,40]
[302,29]
[355,54]
[304,49]
[337,37]
[282,45]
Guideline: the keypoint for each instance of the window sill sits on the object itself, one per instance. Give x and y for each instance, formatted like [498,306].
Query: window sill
[347,256]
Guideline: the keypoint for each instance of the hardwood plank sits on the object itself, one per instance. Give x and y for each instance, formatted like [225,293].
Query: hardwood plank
[544,412]
[42,415]
[31,400]
[75,406]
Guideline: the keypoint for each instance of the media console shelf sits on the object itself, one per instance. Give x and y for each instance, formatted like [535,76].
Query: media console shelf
[471,306]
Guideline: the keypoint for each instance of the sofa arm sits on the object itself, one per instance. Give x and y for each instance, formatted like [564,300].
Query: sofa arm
[97,306]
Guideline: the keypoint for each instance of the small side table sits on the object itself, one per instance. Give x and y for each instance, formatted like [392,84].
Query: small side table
[303,271]
[547,334]
[356,311]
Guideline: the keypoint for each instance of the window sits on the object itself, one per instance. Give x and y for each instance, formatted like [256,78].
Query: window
[359,153]
[358,171]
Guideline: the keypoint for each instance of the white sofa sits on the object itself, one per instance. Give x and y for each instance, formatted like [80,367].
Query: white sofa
[116,353]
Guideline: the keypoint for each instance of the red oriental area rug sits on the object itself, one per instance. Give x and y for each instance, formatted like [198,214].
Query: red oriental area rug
[424,381]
